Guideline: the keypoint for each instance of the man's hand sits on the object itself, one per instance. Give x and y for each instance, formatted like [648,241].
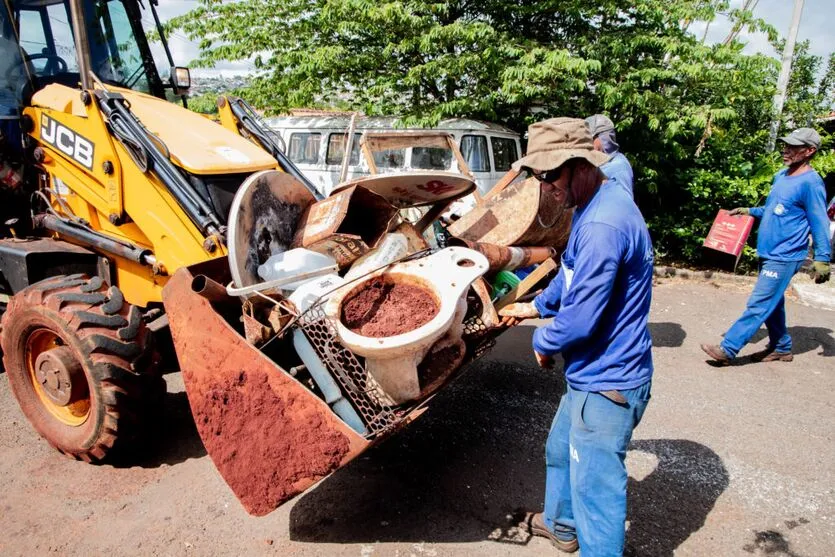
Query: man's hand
[513,314]
[740,211]
[545,362]
[820,271]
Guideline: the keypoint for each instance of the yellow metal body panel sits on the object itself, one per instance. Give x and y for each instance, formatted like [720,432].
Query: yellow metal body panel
[151,216]
[196,143]
[227,119]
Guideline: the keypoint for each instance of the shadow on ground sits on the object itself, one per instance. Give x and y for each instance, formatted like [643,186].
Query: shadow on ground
[806,339]
[673,501]
[172,438]
[667,335]
[460,473]
[467,470]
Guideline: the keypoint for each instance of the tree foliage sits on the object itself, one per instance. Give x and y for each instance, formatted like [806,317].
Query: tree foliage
[691,116]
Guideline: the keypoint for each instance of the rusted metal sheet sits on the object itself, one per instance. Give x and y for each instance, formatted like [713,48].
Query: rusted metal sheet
[269,436]
[346,225]
[415,188]
[517,216]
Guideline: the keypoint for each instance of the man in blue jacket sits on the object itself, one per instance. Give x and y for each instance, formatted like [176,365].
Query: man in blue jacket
[599,302]
[617,169]
[796,206]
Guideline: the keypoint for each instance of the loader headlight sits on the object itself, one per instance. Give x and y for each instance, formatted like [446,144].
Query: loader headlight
[180,79]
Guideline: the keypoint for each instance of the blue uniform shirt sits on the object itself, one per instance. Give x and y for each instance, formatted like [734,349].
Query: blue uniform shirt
[619,171]
[796,206]
[601,296]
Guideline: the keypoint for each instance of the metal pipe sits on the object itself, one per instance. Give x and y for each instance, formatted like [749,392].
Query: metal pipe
[79,28]
[272,286]
[95,239]
[209,289]
[507,257]
[161,32]
[349,146]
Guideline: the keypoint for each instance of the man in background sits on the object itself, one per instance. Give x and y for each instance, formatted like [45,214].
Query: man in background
[618,171]
[796,206]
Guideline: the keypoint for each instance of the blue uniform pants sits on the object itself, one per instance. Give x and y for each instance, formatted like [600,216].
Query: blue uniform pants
[767,304]
[585,482]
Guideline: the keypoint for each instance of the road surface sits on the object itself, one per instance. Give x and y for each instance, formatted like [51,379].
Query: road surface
[728,461]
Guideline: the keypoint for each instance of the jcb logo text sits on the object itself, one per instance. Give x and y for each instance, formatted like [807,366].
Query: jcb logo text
[67,141]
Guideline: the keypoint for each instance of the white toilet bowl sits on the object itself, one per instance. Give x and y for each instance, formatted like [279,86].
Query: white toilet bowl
[392,361]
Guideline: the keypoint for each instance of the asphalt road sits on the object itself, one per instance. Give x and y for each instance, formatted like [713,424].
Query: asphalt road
[728,461]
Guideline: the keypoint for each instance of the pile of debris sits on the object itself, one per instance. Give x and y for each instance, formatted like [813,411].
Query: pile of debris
[362,304]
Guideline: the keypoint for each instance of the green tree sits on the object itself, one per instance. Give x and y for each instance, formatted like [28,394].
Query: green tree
[692,116]
[204,104]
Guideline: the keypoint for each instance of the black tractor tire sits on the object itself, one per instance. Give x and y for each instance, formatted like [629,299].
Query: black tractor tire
[99,334]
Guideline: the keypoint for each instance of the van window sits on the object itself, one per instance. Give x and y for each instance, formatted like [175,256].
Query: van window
[474,149]
[431,158]
[336,149]
[504,153]
[390,158]
[304,147]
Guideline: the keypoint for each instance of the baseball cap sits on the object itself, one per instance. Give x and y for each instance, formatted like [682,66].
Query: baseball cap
[598,124]
[803,136]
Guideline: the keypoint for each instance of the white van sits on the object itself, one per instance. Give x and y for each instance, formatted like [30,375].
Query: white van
[316,144]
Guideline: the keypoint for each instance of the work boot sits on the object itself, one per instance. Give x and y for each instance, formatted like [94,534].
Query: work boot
[771,355]
[537,527]
[717,353]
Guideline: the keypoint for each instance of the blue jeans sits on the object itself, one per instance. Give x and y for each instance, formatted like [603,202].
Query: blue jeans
[767,304]
[585,480]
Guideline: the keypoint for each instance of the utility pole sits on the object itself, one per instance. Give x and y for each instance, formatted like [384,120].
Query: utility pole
[785,74]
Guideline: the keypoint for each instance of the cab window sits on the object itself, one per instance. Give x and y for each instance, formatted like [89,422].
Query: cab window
[304,147]
[474,149]
[115,54]
[46,38]
[504,153]
[336,149]
[114,51]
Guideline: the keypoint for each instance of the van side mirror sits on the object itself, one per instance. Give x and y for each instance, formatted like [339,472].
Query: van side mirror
[180,79]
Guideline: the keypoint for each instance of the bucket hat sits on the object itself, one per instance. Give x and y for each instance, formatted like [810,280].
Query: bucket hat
[554,141]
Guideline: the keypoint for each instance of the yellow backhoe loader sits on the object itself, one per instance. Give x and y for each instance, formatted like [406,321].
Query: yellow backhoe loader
[124,215]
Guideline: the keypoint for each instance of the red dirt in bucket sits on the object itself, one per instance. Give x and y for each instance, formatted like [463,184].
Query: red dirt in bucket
[384,309]
[231,418]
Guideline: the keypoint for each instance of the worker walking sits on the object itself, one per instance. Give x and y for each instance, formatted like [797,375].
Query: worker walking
[599,302]
[796,206]
[617,170]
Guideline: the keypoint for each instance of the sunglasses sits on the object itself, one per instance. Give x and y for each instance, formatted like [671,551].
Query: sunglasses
[547,176]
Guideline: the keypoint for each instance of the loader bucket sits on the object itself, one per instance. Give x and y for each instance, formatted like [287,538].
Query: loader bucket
[269,436]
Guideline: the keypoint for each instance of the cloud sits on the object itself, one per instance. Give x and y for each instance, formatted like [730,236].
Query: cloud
[183,50]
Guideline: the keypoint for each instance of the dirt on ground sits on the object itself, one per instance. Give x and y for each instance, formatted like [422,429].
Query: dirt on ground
[728,461]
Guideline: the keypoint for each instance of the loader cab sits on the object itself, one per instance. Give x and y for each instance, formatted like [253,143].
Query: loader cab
[117,50]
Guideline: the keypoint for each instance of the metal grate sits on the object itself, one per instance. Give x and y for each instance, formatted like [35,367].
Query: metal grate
[478,338]
[349,371]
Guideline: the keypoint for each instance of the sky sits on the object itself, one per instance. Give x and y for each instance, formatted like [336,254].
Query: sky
[814,25]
